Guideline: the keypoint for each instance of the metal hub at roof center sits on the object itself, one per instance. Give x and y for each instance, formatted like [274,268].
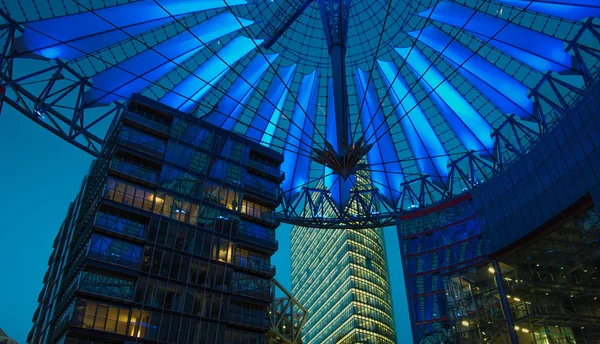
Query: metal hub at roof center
[404,104]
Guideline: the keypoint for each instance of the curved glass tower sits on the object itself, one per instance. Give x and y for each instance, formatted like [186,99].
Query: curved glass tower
[341,277]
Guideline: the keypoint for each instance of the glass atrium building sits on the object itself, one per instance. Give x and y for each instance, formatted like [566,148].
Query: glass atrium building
[341,277]
[475,121]
[517,259]
[169,239]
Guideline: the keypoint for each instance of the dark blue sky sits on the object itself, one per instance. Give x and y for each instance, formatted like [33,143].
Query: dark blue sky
[39,176]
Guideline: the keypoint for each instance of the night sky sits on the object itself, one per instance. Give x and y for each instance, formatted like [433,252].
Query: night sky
[39,176]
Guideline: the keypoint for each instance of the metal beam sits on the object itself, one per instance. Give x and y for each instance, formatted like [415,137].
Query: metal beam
[335,15]
[285,15]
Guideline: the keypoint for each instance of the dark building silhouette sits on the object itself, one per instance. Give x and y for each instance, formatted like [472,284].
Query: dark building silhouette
[5,339]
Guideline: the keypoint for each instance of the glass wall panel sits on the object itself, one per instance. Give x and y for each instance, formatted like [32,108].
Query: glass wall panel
[107,285]
[141,141]
[128,193]
[120,223]
[115,251]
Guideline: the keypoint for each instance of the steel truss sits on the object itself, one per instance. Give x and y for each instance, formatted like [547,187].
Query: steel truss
[316,208]
[552,98]
[52,97]
[287,317]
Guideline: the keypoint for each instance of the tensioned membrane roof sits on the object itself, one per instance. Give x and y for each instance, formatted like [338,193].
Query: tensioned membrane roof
[446,92]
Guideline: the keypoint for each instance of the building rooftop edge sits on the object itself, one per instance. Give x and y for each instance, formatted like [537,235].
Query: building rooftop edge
[138,98]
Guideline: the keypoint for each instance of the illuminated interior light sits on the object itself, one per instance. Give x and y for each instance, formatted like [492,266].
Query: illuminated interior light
[491,270]
[465,323]
[517,299]
[525,330]
[517,328]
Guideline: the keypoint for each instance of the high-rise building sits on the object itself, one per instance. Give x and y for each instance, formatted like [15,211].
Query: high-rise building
[341,278]
[169,239]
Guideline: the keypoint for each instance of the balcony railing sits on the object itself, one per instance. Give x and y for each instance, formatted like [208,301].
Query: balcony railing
[134,170]
[273,193]
[155,147]
[254,264]
[272,171]
[120,225]
[111,257]
[123,292]
[247,233]
[256,212]
[248,320]
[253,238]
[269,217]
[134,117]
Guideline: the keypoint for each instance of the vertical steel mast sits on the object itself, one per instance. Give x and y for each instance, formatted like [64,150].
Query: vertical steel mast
[334,15]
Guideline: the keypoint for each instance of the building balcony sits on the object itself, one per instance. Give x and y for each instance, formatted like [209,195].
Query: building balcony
[110,257]
[154,147]
[258,214]
[112,287]
[272,193]
[46,276]
[246,320]
[120,225]
[134,170]
[147,122]
[267,170]
[254,265]
[250,236]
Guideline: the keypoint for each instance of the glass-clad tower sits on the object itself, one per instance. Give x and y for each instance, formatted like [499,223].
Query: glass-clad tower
[341,277]
[169,240]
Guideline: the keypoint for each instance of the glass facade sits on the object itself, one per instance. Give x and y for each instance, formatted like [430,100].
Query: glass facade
[514,260]
[543,289]
[550,285]
[170,239]
[341,277]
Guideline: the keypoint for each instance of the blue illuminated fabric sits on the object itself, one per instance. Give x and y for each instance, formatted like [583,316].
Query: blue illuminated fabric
[231,105]
[531,47]
[428,83]
[193,88]
[431,155]
[473,130]
[506,92]
[298,139]
[385,169]
[101,28]
[263,125]
[568,9]
[139,71]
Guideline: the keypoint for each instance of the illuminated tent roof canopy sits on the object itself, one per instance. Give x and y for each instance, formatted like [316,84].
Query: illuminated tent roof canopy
[378,106]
